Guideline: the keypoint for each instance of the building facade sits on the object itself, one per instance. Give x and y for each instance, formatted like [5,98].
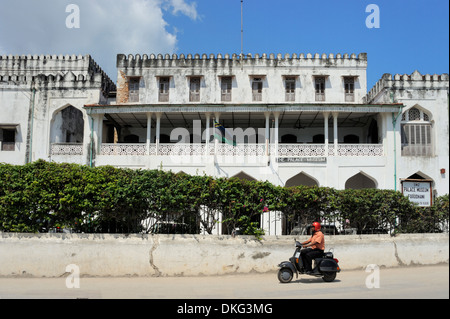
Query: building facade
[288,119]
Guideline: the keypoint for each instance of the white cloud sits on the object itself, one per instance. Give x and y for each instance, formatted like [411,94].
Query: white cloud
[187,9]
[107,27]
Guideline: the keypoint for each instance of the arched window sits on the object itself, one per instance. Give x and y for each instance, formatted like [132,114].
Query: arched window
[68,126]
[416,131]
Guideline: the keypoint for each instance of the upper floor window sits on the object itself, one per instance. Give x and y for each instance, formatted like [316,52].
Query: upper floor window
[164,85]
[349,86]
[226,87]
[416,130]
[290,89]
[320,88]
[133,89]
[194,91]
[257,88]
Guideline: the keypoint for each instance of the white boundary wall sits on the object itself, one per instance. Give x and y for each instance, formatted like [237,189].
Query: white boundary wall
[102,255]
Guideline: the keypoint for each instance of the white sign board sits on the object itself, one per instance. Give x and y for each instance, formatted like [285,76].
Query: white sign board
[419,193]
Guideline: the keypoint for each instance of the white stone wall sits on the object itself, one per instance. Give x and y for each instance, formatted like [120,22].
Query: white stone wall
[48,255]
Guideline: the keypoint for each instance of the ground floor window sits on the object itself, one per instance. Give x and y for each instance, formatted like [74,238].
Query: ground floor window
[8,140]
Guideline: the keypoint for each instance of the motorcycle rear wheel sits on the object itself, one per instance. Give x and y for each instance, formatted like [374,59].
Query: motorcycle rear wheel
[285,275]
[329,276]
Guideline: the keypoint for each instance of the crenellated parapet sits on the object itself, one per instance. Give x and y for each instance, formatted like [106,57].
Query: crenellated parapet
[414,81]
[54,71]
[227,60]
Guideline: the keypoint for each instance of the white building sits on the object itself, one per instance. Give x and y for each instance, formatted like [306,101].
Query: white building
[297,119]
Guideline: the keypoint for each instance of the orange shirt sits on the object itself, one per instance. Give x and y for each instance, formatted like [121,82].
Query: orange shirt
[319,239]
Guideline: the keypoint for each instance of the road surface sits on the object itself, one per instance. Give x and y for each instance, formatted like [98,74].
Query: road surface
[411,282]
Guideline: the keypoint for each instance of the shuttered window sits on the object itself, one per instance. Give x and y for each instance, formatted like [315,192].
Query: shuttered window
[320,88]
[416,134]
[226,87]
[349,85]
[290,89]
[164,84]
[257,87]
[194,92]
[133,90]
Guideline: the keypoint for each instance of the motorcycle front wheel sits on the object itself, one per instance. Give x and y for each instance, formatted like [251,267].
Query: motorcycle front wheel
[285,275]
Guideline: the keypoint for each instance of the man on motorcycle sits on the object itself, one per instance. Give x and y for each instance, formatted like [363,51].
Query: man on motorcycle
[314,247]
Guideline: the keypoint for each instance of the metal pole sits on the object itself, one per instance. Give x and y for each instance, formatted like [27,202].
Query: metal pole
[242,34]
[242,28]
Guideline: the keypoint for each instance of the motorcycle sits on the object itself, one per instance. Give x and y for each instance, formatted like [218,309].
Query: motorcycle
[326,267]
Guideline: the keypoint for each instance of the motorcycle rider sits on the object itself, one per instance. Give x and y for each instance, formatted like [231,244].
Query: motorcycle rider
[313,247]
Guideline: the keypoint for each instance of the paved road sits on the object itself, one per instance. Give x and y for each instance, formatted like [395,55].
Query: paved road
[412,282]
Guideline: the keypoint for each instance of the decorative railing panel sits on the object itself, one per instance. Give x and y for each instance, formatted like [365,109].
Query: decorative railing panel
[124,149]
[360,150]
[301,150]
[182,149]
[284,150]
[66,149]
[239,150]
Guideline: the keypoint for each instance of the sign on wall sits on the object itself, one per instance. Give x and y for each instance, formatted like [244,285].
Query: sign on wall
[418,192]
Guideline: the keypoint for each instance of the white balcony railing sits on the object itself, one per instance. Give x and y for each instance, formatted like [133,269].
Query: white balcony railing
[124,149]
[67,149]
[372,150]
[182,149]
[239,150]
[284,150]
[301,150]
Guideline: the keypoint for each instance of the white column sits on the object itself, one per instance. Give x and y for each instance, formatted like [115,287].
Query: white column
[267,114]
[276,133]
[335,129]
[149,132]
[216,141]
[100,133]
[207,133]
[158,131]
[326,116]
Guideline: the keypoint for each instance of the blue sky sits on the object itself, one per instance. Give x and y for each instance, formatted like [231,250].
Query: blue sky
[413,34]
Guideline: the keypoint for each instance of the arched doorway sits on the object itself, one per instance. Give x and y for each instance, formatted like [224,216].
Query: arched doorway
[244,176]
[360,181]
[302,179]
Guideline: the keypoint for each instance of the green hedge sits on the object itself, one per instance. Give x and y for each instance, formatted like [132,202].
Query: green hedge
[42,196]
